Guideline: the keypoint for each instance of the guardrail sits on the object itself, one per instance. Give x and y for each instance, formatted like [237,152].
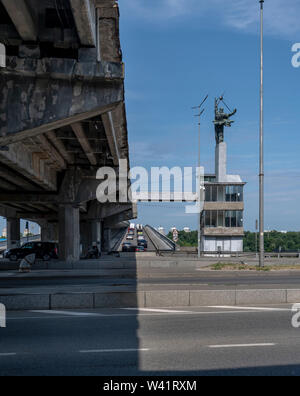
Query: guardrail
[117,245]
[236,254]
[172,246]
[151,240]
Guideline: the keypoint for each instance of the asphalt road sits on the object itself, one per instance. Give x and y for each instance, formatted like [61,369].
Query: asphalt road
[204,341]
[157,277]
[134,242]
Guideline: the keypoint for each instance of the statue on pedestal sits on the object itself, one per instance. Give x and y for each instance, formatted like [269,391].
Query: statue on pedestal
[221,120]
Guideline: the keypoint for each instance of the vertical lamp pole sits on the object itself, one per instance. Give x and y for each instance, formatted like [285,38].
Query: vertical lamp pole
[261,154]
[199,175]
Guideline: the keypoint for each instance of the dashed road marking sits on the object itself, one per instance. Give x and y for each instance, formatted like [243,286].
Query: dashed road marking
[68,313]
[251,308]
[241,346]
[114,350]
[8,354]
[155,310]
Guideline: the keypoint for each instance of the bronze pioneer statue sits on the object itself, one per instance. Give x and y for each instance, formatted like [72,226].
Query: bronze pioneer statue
[221,120]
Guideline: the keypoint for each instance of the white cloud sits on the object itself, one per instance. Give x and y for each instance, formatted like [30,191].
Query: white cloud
[281,16]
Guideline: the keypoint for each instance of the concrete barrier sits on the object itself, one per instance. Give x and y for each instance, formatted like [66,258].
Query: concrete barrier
[263,296]
[72,301]
[212,297]
[167,298]
[24,302]
[120,300]
[148,299]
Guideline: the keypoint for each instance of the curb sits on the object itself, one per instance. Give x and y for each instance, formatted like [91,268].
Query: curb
[148,299]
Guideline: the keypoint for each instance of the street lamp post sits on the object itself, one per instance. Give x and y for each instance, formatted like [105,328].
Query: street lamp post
[261,154]
[199,171]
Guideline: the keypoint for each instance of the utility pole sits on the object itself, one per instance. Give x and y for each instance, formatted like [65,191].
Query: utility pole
[256,241]
[199,171]
[261,149]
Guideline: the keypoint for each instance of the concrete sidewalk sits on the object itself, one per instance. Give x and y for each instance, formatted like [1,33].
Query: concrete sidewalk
[132,260]
[148,282]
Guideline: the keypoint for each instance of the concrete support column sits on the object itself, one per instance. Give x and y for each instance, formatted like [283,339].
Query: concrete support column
[84,240]
[49,232]
[106,245]
[13,233]
[95,229]
[69,233]
[90,232]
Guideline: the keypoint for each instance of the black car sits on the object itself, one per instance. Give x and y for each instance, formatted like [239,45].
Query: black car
[43,250]
[128,247]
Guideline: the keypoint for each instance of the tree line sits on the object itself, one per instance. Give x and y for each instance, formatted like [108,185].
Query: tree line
[274,241]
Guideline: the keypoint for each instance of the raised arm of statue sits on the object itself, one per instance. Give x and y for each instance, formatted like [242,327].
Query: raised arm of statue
[233,113]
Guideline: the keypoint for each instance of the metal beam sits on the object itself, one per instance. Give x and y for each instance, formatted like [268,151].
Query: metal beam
[21,16]
[85,20]
[85,144]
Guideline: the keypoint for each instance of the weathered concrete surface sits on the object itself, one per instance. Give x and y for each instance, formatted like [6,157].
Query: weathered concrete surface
[64,78]
[45,101]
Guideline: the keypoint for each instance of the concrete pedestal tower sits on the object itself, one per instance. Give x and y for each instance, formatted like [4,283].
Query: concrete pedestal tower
[222,222]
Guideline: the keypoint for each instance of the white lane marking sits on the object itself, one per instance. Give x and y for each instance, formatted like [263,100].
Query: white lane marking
[68,313]
[251,308]
[7,354]
[114,350]
[241,346]
[155,310]
[117,315]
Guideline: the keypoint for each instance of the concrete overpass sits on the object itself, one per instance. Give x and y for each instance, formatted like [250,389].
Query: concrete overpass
[62,116]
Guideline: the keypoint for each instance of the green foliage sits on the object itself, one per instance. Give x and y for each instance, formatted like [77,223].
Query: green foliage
[274,240]
[186,239]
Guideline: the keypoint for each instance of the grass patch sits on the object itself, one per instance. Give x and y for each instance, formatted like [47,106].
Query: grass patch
[240,267]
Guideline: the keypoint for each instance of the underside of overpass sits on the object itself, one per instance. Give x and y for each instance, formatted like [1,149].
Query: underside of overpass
[62,117]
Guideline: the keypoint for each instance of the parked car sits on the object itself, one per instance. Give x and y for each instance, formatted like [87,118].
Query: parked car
[43,250]
[128,247]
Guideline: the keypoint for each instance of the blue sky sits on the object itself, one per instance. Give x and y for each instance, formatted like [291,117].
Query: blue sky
[177,51]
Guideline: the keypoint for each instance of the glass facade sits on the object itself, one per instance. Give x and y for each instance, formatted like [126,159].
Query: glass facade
[223,218]
[214,193]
